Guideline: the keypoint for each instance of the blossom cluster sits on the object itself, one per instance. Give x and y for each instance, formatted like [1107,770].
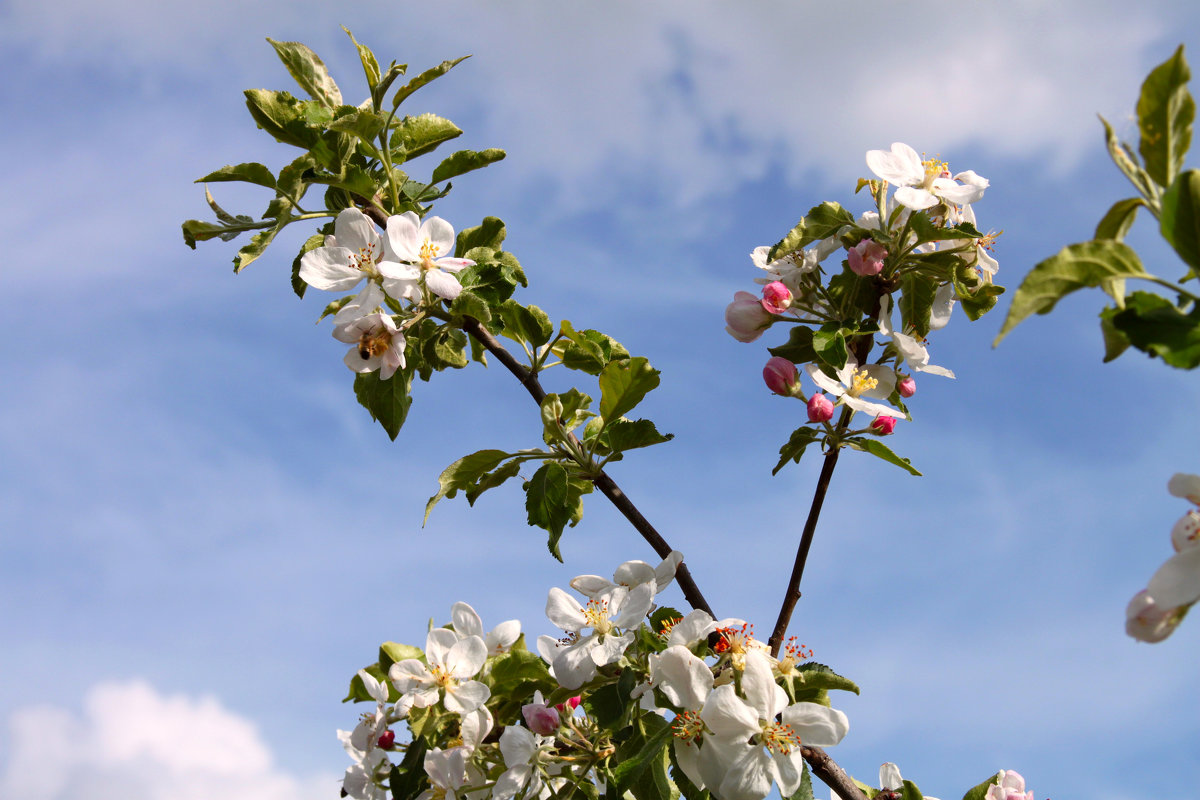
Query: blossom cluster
[922,238]
[489,719]
[1155,612]
[411,263]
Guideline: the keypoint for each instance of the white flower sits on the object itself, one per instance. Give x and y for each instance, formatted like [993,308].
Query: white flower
[428,245]
[631,574]
[355,252]
[499,640]
[748,747]
[923,184]
[1146,622]
[377,344]
[981,256]
[447,771]
[1010,786]
[452,662]
[889,778]
[943,304]
[1185,486]
[853,384]
[913,353]
[687,682]
[523,753]
[697,625]
[611,616]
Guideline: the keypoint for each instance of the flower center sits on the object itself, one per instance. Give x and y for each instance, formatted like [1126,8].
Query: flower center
[441,677]
[596,615]
[687,726]
[429,251]
[778,737]
[988,240]
[861,382]
[667,626]
[934,168]
[365,260]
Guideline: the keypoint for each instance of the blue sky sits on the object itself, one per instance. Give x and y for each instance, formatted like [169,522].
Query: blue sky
[203,536]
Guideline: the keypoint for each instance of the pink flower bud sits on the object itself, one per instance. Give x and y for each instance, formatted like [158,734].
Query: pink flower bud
[884,425]
[387,740]
[540,718]
[866,258]
[906,386]
[781,376]
[776,298]
[571,703]
[745,317]
[820,408]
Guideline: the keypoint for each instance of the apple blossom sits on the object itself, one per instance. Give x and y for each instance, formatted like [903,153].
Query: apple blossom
[921,183]
[1185,486]
[911,350]
[447,771]
[523,754]
[611,616]
[428,245]
[820,408]
[631,574]
[981,257]
[377,344]
[866,258]
[1186,532]
[539,717]
[1010,786]
[776,297]
[1146,622]
[890,780]
[855,386]
[452,663]
[746,318]
[354,252]
[499,640]
[781,376]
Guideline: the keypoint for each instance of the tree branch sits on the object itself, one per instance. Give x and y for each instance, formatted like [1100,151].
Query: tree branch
[607,486]
[834,776]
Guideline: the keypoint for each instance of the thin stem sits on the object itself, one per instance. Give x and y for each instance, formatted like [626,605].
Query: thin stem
[607,486]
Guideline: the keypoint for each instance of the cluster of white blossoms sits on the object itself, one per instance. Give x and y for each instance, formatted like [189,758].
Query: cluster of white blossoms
[734,730]
[411,263]
[1154,613]
[880,243]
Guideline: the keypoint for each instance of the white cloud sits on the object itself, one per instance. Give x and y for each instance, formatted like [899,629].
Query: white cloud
[132,742]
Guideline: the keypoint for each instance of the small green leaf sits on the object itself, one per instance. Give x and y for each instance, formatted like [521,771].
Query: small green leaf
[819,676]
[909,791]
[546,502]
[309,71]
[797,443]
[1115,342]
[623,384]
[799,347]
[830,346]
[880,450]
[489,233]
[392,652]
[821,221]
[469,304]
[1180,220]
[422,134]
[281,115]
[1117,221]
[624,434]
[425,77]
[335,306]
[465,161]
[249,172]
[1152,324]
[491,480]
[195,230]
[364,123]
[258,243]
[1077,266]
[979,792]
[657,737]
[463,474]
[1165,112]
[525,324]
[387,401]
[369,63]
[916,302]
[1125,160]
[408,779]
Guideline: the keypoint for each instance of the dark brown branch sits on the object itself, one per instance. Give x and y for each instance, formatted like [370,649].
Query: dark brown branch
[603,482]
[834,776]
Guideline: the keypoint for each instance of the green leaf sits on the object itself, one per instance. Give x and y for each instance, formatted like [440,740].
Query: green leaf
[819,676]
[916,303]
[249,172]
[391,652]
[1125,160]
[358,691]
[588,350]
[1077,266]
[335,306]
[650,750]
[821,221]
[364,123]
[623,384]
[310,244]
[408,779]
[655,783]
[547,496]
[789,243]
[1115,342]
[369,63]
[1117,221]
[797,443]
[979,792]
[463,474]
[1165,112]
[624,434]
[309,71]
[830,346]
[489,233]
[1152,324]
[281,115]
[491,480]
[425,77]
[388,401]
[445,348]
[799,347]
[1180,220]
[880,450]
[909,791]
[465,161]
[195,230]
[422,134]
[258,243]
[469,304]
[525,324]
[805,790]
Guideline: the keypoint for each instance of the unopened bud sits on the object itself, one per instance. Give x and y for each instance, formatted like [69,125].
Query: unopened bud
[866,258]
[745,317]
[820,408]
[776,297]
[884,425]
[906,386]
[540,718]
[568,705]
[387,740]
[781,376]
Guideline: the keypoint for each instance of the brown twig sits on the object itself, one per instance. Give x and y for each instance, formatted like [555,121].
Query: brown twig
[607,486]
[834,776]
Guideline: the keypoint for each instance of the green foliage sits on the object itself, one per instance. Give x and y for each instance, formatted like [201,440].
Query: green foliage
[588,350]
[309,71]
[979,791]
[1165,112]
[1118,219]
[643,752]
[1180,219]
[1152,324]
[797,443]
[554,499]
[388,401]
[623,384]
[465,161]
[878,449]
[464,474]
[1077,266]
[820,222]
[424,78]
[416,136]
[525,323]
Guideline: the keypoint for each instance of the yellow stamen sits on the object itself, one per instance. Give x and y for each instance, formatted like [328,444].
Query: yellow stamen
[778,737]
[862,382]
